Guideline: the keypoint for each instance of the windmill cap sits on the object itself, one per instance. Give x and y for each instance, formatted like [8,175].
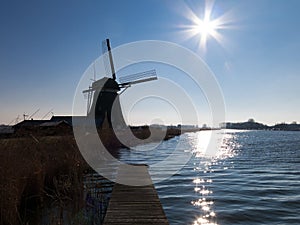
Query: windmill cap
[106,83]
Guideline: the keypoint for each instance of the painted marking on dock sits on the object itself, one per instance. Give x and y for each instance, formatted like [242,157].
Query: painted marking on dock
[135,204]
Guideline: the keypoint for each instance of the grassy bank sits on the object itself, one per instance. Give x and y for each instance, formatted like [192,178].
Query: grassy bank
[38,168]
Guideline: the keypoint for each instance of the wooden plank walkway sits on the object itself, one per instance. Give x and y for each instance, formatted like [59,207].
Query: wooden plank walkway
[135,204]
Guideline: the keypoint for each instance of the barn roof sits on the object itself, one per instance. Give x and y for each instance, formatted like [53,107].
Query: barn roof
[29,123]
[54,124]
[54,121]
[68,119]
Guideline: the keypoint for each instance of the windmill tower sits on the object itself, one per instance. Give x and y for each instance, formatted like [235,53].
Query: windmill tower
[103,95]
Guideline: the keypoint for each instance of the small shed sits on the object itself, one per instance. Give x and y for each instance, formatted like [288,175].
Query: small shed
[55,128]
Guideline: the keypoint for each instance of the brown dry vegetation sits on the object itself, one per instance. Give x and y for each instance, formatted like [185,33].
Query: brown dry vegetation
[31,166]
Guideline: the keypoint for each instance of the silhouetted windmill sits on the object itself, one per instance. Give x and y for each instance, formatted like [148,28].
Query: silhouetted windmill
[28,117]
[15,121]
[31,116]
[103,93]
[49,112]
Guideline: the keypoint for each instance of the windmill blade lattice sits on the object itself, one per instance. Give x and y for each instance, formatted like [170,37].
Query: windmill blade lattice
[138,77]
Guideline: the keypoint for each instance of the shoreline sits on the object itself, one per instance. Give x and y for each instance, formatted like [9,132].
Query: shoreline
[33,161]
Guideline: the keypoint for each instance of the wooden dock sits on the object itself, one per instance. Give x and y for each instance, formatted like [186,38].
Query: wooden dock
[135,204]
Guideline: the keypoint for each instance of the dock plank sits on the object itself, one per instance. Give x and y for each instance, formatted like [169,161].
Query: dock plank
[135,204]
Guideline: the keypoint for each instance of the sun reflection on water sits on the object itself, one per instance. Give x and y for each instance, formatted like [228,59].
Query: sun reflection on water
[204,203]
[203,221]
[225,143]
[227,148]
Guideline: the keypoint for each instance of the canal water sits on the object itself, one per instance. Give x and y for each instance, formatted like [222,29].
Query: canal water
[253,179]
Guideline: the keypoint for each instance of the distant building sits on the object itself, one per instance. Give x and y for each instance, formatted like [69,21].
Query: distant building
[29,124]
[55,128]
[4,129]
[77,120]
[56,123]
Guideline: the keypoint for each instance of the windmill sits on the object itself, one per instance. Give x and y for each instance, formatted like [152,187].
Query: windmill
[28,117]
[103,94]
[49,112]
[15,121]
[31,116]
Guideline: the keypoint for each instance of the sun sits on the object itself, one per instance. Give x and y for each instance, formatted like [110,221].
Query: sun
[206,27]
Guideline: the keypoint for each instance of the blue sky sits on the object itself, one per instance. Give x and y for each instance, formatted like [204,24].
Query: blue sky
[45,46]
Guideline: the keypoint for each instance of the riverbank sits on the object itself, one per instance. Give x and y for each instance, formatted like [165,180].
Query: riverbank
[38,167]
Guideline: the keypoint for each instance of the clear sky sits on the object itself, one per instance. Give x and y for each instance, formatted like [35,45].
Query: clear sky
[45,46]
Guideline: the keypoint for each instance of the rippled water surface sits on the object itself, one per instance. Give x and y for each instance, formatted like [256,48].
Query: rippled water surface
[254,179]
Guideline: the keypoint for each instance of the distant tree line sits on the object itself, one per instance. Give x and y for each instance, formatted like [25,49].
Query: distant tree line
[252,125]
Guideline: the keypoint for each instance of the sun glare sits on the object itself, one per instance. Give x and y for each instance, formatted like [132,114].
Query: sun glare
[205,27]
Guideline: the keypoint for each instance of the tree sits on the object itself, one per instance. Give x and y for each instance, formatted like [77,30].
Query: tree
[251,120]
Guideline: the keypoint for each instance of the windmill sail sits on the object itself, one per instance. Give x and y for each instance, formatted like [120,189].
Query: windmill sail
[103,104]
[138,78]
[108,59]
